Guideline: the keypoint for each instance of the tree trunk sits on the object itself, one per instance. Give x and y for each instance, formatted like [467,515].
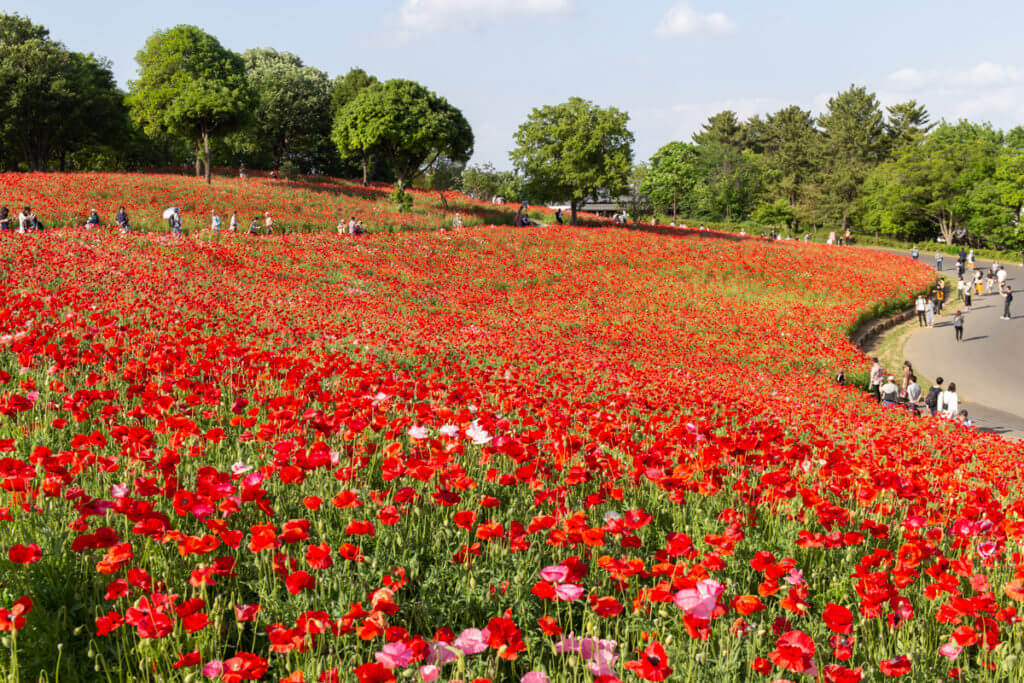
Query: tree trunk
[199,162]
[366,170]
[846,219]
[572,211]
[444,200]
[206,156]
[673,205]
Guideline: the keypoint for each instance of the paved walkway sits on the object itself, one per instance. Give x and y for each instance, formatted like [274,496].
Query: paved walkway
[986,365]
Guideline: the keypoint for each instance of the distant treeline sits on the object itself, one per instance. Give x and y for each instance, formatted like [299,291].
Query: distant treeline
[856,166]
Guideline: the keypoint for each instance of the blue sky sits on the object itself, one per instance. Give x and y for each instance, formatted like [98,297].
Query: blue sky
[669,64]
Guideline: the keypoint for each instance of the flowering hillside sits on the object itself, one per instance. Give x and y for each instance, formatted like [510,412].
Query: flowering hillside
[311,204]
[489,454]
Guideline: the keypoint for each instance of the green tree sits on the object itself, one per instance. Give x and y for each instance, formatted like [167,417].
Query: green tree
[790,145]
[190,85]
[573,151]
[292,114]
[671,175]
[854,141]
[943,181]
[345,88]
[444,175]
[407,125]
[54,101]
[724,128]
[907,122]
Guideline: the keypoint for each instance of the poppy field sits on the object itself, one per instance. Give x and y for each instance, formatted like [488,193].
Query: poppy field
[309,204]
[559,454]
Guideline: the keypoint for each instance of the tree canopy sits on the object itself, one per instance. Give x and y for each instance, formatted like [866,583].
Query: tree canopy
[406,124]
[55,101]
[573,151]
[190,85]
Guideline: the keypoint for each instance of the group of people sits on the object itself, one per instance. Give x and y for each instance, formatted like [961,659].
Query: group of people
[352,227]
[929,305]
[841,240]
[981,283]
[27,220]
[907,393]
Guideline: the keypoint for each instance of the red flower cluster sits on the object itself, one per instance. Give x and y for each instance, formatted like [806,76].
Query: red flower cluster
[355,458]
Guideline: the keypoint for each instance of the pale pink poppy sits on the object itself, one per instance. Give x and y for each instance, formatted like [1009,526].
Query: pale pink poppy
[567,592]
[429,672]
[603,663]
[535,677]
[395,655]
[701,601]
[555,573]
[472,641]
[950,651]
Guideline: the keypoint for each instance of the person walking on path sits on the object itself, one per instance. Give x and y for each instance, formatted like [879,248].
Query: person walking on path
[929,313]
[1007,300]
[968,297]
[934,394]
[914,253]
[958,325]
[877,375]
[960,289]
[919,307]
[940,295]
[938,261]
[1001,277]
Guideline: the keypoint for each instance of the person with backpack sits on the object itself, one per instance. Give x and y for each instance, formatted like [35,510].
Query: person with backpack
[932,399]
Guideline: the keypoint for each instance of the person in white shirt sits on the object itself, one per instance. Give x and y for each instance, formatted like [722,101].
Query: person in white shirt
[890,391]
[949,404]
[929,313]
[1001,277]
[214,221]
[919,307]
[233,223]
[26,220]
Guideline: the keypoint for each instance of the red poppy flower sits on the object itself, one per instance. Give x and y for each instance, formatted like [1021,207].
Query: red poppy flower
[896,667]
[652,664]
[838,619]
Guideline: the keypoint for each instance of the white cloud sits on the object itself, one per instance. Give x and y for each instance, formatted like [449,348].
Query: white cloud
[424,16]
[981,76]
[682,21]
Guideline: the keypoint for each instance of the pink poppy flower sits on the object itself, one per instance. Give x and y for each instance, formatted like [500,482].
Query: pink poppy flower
[950,651]
[567,592]
[395,655]
[554,574]
[701,601]
[472,641]
[213,668]
[535,677]
[429,673]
